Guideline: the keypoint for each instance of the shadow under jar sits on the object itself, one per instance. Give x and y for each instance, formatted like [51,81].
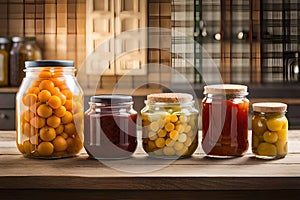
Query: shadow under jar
[225,120]
[110,127]
[170,125]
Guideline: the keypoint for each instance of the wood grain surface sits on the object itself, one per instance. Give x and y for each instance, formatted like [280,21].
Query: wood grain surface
[141,175]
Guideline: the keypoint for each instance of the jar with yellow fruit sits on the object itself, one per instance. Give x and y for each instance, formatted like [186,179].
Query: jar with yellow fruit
[49,110]
[170,125]
[269,130]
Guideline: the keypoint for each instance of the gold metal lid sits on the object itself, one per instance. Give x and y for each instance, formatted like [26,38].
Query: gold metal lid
[170,97]
[269,107]
[226,89]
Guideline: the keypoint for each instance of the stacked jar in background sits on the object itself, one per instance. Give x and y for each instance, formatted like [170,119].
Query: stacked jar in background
[13,54]
[23,49]
[4,61]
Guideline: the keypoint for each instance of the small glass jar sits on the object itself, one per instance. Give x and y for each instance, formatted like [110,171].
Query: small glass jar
[4,48]
[269,130]
[49,110]
[110,127]
[170,125]
[225,120]
[23,49]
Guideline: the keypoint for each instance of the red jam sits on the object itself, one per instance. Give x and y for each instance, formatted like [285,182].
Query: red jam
[110,129]
[225,125]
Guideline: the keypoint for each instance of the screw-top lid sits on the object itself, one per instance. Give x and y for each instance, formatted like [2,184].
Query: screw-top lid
[111,99]
[226,89]
[18,39]
[170,97]
[49,63]
[4,40]
[32,38]
[269,107]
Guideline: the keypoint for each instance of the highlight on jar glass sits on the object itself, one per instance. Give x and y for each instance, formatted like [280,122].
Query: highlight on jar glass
[110,127]
[49,110]
[225,120]
[170,125]
[269,130]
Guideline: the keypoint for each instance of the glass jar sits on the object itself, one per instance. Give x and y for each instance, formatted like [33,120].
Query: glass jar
[4,46]
[225,120]
[269,130]
[110,127]
[49,110]
[23,49]
[170,125]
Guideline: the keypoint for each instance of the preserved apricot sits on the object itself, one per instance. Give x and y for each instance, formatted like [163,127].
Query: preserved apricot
[53,121]
[67,118]
[69,129]
[28,114]
[44,111]
[46,85]
[34,90]
[37,122]
[54,102]
[45,148]
[44,96]
[47,133]
[60,144]
[60,112]
[29,99]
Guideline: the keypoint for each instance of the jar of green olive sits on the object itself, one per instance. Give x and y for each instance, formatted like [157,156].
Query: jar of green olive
[170,125]
[269,130]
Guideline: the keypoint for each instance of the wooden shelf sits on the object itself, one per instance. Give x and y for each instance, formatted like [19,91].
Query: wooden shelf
[9,89]
[138,176]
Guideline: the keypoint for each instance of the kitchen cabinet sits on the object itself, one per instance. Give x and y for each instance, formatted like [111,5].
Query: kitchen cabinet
[116,42]
[7,109]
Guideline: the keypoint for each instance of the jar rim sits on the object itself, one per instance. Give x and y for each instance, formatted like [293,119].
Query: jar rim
[227,89]
[169,103]
[49,63]
[169,98]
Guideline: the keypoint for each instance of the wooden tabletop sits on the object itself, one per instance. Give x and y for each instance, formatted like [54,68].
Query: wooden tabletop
[141,176]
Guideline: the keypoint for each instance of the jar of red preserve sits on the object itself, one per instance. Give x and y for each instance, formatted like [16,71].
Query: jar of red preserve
[110,127]
[225,120]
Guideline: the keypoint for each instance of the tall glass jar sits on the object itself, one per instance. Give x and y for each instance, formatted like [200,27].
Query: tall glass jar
[23,49]
[4,48]
[49,110]
[225,120]
[269,130]
[170,125]
[110,127]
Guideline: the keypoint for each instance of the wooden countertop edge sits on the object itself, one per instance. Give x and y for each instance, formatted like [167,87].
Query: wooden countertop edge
[150,183]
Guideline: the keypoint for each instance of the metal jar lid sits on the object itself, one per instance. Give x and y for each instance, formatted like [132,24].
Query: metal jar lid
[226,89]
[49,63]
[269,107]
[4,40]
[17,39]
[111,99]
